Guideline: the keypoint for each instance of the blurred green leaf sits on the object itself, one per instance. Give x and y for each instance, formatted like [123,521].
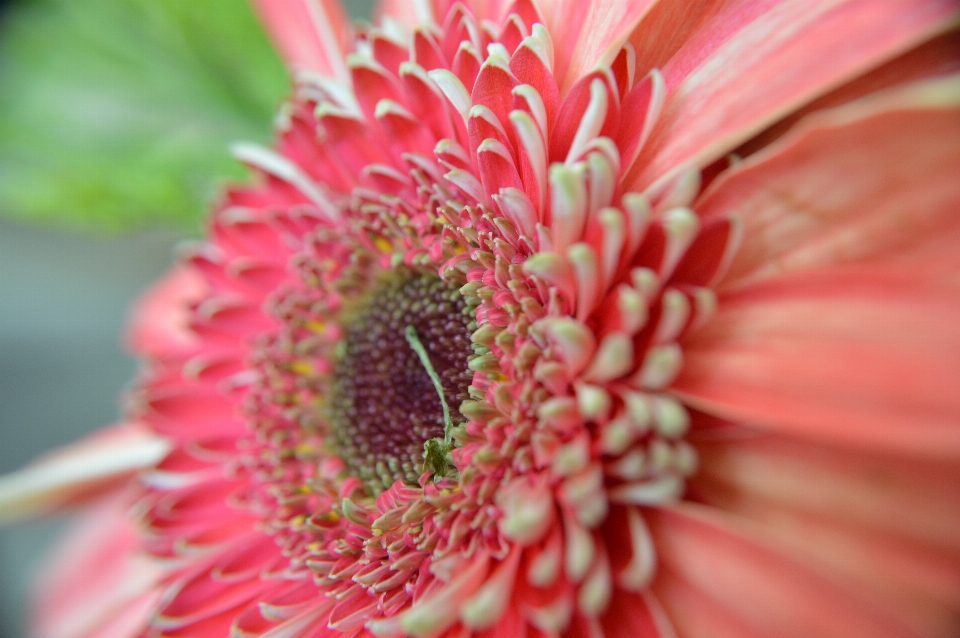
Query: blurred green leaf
[117,113]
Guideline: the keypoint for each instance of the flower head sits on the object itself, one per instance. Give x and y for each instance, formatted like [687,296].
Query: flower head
[569,319]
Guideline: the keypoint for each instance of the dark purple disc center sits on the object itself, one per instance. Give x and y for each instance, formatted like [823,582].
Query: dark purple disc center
[383,404]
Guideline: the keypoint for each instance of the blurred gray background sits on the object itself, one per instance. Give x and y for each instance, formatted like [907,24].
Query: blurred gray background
[63,304]
[64,301]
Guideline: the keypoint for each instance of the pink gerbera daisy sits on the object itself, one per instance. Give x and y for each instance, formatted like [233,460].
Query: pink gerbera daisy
[555,319]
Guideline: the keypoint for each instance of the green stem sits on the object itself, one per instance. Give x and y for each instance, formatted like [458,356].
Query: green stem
[411,334]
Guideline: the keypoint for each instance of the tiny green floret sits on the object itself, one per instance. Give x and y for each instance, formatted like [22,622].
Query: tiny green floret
[436,453]
[436,457]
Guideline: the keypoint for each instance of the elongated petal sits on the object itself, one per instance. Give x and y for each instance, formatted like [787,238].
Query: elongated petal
[312,35]
[831,508]
[159,325]
[936,58]
[758,587]
[751,64]
[693,613]
[840,325]
[592,33]
[97,585]
[79,472]
[853,358]
[873,177]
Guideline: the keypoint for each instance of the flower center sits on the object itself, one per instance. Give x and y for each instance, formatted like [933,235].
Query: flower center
[400,375]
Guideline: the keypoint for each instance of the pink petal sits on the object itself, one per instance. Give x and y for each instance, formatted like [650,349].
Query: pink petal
[312,35]
[752,63]
[693,613]
[850,358]
[160,325]
[856,342]
[96,584]
[938,57]
[887,527]
[757,588]
[233,580]
[408,13]
[670,23]
[629,616]
[80,472]
[836,189]
[589,33]
[438,610]
[193,411]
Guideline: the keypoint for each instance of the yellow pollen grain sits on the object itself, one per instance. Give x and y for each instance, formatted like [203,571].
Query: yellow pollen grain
[383,245]
[316,326]
[304,449]
[329,517]
[301,367]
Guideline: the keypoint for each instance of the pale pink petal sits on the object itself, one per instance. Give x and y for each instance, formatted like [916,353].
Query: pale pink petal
[185,412]
[629,615]
[409,14]
[232,582]
[97,584]
[312,35]
[415,13]
[79,472]
[752,63]
[694,614]
[839,319]
[757,587]
[877,177]
[670,23]
[834,510]
[939,57]
[850,358]
[160,323]
[589,33]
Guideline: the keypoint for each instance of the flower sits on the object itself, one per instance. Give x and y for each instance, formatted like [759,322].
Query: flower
[586,319]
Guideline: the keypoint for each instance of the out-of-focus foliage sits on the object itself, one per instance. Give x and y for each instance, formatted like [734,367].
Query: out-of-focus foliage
[116,113]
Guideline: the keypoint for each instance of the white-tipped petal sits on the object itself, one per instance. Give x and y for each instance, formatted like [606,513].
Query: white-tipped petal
[594,595]
[660,366]
[568,204]
[488,604]
[673,319]
[614,358]
[665,489]
[453,90]
[670,417]
[90,465]
[527,506]
[532,145]
[591,122]
[274,164]
[636,574]
[583,258]
[574,341]
[681,226]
